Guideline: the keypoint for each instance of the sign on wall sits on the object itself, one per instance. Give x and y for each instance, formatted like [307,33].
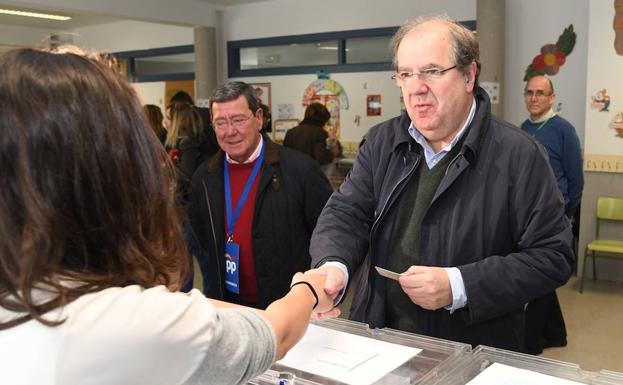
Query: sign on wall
[603,150]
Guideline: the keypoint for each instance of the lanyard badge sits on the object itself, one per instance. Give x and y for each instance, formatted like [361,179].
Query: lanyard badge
[232,250]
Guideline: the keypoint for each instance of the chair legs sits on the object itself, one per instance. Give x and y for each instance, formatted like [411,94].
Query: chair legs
[584,269]
[594,267]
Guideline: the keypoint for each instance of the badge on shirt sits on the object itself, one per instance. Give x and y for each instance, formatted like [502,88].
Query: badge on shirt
[232,258]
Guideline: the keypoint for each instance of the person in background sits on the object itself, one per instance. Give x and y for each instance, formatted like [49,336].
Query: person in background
[446,195]
[545,324]
[253,205]
[310,136]
[208,145]
[154,116]
[267,119]
[92,252]
[183,141]
[184,148]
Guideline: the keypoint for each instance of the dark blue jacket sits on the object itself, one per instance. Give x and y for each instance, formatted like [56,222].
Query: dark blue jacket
[489,217]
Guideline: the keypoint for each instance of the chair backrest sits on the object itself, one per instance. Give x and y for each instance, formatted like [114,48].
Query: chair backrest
[610,208]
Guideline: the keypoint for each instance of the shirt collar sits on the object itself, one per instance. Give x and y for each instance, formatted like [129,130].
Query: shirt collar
[252,158]
[424,143]
[543,118]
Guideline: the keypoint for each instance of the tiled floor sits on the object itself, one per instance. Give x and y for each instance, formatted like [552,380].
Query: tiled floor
[594,322]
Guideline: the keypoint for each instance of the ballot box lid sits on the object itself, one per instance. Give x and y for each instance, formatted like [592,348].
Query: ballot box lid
[435,356]
[487,365]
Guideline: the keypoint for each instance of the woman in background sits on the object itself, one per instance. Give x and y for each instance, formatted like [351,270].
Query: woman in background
[155,118]
[92,251]
[184,138]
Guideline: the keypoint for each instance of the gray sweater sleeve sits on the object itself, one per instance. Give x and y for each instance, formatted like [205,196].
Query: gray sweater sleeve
[243,346]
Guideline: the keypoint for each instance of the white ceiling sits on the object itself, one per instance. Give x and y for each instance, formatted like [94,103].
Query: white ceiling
[77,21]
[230,2]
[82,19]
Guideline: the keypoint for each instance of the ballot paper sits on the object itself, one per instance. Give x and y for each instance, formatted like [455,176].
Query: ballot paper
[387,273]
[500,374]
[346,357]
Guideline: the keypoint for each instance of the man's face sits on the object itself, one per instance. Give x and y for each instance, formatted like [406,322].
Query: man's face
[237,128]
[438,107]
[538,96]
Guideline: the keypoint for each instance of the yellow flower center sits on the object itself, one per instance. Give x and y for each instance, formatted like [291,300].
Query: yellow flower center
[549,59]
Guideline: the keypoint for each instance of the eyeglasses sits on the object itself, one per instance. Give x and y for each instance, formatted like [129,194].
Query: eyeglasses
[237,121]
[539,94]
[430,75]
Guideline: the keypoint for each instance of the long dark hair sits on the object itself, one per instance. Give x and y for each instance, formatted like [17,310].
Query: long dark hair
[87,197]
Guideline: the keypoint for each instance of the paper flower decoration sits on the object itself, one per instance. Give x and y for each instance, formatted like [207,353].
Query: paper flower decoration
[552,56]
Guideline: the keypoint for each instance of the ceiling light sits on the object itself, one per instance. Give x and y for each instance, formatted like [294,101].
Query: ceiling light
[34,14]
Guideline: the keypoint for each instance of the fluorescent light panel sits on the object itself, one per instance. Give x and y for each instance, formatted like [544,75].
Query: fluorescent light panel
[34,14]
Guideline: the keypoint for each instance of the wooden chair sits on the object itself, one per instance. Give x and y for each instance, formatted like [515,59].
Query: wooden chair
[608,209]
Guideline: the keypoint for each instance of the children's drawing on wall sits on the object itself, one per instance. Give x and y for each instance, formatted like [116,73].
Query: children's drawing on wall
[617,124]
[373,105]
[332,95]
[552,56]
[617,25]
[601,100]
[285,111]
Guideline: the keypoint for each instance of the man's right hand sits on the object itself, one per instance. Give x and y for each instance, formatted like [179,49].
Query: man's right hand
[334,284]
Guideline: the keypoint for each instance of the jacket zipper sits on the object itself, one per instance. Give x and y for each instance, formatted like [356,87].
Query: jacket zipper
[218,266]
[382,213]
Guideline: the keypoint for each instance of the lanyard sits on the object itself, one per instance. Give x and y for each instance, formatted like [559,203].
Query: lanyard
[542,125]
[232,218]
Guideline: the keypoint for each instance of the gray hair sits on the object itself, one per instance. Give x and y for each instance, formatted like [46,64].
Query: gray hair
[464,43]
[232,91]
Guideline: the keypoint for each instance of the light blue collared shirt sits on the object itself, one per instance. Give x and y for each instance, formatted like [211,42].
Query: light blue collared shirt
[459,295]
[431,157]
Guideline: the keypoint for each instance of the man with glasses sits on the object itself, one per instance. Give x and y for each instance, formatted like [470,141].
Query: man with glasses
[253,205]
[545,325]
[446,195]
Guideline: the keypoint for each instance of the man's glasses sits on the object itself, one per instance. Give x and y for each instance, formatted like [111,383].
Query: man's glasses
[237,121]
[429,76]
[539,94]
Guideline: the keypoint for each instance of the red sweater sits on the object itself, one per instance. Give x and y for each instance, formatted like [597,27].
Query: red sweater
[243,230]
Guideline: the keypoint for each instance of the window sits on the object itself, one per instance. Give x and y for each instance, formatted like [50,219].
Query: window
[347,51]
[159,64]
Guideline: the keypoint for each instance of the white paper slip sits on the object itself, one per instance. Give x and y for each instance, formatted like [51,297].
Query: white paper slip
[387,273]
[345,357]
[500,374]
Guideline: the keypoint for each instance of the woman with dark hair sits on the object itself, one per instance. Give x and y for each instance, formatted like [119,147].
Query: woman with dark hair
[154,116]
[92,251]
[310,136]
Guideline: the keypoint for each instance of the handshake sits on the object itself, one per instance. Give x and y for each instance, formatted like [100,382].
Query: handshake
[325,284]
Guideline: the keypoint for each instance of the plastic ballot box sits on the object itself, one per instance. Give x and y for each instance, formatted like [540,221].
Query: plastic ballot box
[338,352]
[488,365]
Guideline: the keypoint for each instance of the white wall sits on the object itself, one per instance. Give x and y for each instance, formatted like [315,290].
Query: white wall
[289,90]
[530,24]
[151,93]
[133,35]
[22,36]
[293,17]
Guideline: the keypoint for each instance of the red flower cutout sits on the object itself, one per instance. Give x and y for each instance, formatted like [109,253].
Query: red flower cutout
[549,60]
[552,56]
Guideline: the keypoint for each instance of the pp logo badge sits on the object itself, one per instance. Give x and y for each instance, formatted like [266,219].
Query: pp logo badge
[230,264]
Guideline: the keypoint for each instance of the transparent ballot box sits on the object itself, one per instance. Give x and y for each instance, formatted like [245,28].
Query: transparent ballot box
[342,352]
[488,365]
